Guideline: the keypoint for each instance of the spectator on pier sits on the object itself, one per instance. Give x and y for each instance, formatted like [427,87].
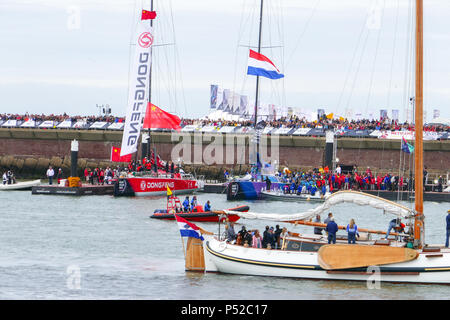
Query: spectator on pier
[59,175]
[5,178]
[50,173]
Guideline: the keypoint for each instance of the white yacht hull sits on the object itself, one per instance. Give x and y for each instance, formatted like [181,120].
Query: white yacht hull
[227,258]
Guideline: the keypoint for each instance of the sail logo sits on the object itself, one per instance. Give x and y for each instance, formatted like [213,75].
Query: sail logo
[145,40]
[156,185]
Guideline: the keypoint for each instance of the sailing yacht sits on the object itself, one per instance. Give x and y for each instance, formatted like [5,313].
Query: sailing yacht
[405,259]
[140,98]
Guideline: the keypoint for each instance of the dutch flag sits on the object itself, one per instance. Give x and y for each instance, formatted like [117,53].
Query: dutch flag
[188,229]
[260,65]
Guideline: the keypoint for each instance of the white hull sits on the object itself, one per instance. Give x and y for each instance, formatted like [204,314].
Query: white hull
[20,185]
[271,195]
[226,258]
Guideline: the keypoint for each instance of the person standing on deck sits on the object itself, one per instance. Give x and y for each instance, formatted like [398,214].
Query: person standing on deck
[50,174]
[352,231]
[317,230]
[448,228]
[332,229]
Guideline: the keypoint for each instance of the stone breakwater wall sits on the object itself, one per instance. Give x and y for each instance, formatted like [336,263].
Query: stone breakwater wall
[29,152]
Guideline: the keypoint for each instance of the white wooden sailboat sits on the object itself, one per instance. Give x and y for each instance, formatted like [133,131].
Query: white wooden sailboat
[406,260]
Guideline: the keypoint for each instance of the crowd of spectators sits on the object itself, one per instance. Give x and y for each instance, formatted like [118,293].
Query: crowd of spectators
[284,122]
[60,118]
[323,122]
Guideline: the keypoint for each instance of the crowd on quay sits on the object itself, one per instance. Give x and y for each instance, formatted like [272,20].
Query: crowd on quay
[60,118]
[286,122]
[322,180]
[323,122]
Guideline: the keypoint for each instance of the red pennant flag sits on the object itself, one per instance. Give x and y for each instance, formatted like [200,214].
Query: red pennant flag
[155,118]
[148,15]
[115,155]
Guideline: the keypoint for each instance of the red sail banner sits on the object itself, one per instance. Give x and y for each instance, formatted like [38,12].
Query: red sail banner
[156,118]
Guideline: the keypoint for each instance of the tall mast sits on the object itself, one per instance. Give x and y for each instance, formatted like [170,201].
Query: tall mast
[259,51]
[150,98]
[418,222]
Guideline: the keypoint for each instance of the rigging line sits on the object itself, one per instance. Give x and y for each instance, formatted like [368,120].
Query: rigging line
[407,55]
[375,59]
[358,69]
[237,47]
[251,21]
[351,64]
[133,27]
[393,55]
[177,59]
[303,32]
[409,63]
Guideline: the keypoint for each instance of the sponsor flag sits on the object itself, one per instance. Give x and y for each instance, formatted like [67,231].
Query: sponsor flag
[406,147]
[169,192]
[156,118]
[115,155]
[260,65]
[148,15]
[138,87]
[188,229]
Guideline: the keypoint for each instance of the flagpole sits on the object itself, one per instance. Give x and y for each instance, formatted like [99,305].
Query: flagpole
[150,87]
[257,84]
[259,51]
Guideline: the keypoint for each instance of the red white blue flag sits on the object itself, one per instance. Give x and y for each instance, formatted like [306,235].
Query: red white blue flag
[188,229]
[260,65]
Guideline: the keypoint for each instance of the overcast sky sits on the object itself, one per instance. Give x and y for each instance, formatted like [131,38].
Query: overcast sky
[347,56]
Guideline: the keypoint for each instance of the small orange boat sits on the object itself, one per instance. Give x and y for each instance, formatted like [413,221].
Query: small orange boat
[198,214]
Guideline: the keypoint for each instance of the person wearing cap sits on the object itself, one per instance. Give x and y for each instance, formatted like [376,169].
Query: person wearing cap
[448,228]
[332,229]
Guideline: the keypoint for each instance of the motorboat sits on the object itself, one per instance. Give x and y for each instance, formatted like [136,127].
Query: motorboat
[24,185]
[197,214]
[281,196]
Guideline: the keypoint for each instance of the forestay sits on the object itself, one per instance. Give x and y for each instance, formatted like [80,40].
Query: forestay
[359,198]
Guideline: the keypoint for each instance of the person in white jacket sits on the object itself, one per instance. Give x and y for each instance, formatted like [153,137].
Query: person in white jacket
[50,174]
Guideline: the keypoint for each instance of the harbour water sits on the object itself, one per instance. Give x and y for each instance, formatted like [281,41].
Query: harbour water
[101,247]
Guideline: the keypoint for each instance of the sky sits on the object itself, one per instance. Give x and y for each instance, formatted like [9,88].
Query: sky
[347,56]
